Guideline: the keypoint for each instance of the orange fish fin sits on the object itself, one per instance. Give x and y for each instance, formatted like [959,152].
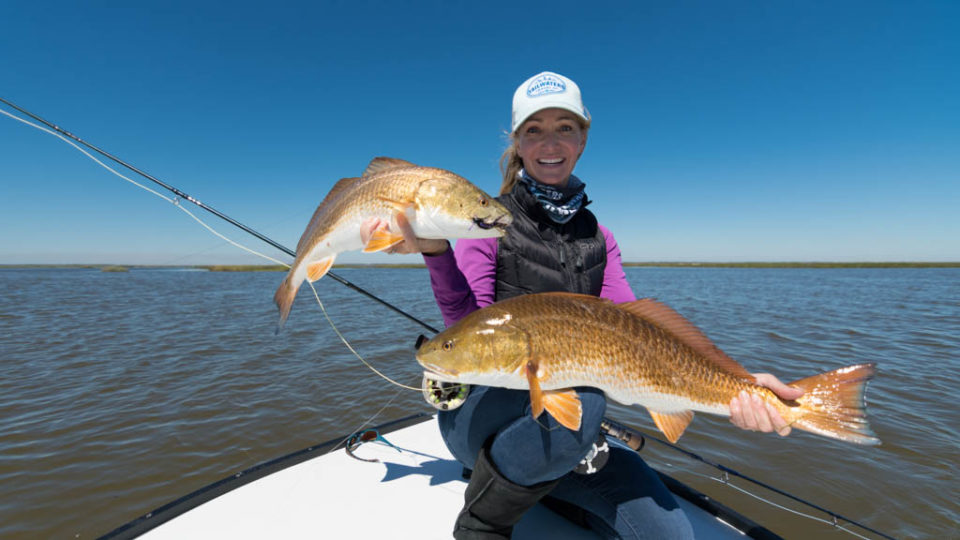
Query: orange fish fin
[317,270]
[664,317]
[401,207]
[536,394]
[564,406]
[672,424]
[382,239]
[836,407]
[380,164]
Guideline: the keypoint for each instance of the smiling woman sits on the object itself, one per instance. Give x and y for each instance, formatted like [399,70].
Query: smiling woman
[554,244]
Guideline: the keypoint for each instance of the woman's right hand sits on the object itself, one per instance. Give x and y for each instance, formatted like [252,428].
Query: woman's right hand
[410,244]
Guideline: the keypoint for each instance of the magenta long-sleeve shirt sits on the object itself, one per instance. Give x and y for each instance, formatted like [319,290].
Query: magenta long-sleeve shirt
[463,279]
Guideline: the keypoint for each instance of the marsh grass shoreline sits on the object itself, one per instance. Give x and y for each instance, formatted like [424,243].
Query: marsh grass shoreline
[659,264]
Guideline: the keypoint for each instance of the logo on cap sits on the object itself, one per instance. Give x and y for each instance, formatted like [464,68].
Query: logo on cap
[546,84]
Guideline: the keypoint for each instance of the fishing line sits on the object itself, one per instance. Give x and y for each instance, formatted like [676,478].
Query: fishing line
[728,471]
[176,202]
[366,422]
[355,353]
[796,512]
[219,214]
[834,523]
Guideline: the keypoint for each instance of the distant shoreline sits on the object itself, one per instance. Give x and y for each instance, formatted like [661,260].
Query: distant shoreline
[280,268]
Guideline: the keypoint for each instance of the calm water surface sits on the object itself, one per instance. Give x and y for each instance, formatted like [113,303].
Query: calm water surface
[123,391]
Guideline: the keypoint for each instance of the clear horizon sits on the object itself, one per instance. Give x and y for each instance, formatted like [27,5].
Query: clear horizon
[722,132]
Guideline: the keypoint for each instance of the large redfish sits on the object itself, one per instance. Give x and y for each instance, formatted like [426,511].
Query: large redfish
[640,352]
[437,203]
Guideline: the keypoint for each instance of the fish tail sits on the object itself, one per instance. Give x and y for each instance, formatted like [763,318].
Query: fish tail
[833,404]
[284,296]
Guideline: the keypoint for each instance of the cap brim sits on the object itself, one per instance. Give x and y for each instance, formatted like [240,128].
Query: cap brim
[552,105]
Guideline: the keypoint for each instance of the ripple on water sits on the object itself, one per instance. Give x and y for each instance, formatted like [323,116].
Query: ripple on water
[121,394]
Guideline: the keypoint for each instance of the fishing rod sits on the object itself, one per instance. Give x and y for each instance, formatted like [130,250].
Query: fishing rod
[630,436]
[636,440]
[180,194]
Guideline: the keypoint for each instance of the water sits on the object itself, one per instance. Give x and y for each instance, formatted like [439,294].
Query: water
[123,391]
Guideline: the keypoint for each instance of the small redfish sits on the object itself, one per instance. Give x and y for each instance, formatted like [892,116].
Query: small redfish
[640,352]
[437,203]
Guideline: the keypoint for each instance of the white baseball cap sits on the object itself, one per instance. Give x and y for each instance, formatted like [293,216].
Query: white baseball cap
[544,91]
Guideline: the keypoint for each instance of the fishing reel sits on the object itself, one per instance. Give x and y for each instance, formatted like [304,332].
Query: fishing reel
[444,396]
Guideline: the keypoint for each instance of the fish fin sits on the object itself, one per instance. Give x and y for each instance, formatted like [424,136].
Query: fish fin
[284,296]
[382,239]
[380,164]
[672,424]
[836,407]
[401,207]
[536,394]
[564,406]
[317,270]
[665,318]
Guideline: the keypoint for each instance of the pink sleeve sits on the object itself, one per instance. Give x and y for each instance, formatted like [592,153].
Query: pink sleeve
[477,259]
[615,286]
[463,278]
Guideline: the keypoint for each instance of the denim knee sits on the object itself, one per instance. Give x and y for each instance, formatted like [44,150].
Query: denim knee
[529,451]
[626,499]
[526,450]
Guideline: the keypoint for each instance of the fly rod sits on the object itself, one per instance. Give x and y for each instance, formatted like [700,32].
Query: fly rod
[214,211]
[635,440]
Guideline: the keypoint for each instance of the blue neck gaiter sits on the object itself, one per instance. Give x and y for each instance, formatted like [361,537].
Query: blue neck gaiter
[560,203]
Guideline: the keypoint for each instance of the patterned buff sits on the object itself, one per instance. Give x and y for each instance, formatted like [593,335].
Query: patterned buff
[561,204]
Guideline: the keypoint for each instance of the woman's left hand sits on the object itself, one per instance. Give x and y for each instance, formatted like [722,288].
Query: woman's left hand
[751,412]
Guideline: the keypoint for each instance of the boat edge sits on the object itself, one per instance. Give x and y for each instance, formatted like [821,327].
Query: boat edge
[184,504]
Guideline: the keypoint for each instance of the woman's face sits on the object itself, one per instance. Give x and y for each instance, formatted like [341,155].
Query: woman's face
[549,143]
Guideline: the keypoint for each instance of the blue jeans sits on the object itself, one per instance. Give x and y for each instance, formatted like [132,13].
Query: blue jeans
[625,499]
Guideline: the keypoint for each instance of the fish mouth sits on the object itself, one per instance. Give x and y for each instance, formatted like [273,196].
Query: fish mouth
[500,223]
[439,374]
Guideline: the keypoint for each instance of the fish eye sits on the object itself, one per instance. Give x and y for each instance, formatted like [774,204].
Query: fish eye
[447,345]
[484,201]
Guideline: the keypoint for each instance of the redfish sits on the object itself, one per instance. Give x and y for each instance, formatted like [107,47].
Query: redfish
[640,352]
[437,203]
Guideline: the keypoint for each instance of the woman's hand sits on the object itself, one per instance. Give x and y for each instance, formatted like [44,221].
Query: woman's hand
[749,411]
[410,243]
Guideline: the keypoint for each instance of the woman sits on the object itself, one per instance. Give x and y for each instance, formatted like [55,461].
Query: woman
[554,244]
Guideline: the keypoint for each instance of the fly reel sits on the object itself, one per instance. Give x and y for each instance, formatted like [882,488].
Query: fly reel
[445,396]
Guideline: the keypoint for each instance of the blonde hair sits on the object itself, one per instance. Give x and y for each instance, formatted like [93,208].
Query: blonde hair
[510,162]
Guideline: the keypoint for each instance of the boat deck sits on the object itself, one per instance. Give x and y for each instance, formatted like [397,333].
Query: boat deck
[414,490]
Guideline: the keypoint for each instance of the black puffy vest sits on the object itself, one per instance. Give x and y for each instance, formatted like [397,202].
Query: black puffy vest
[539,255]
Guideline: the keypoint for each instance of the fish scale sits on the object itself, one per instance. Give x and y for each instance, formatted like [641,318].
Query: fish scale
[605,339]
[640,352]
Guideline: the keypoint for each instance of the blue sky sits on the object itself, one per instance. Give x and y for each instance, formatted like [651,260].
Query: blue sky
[723,131]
